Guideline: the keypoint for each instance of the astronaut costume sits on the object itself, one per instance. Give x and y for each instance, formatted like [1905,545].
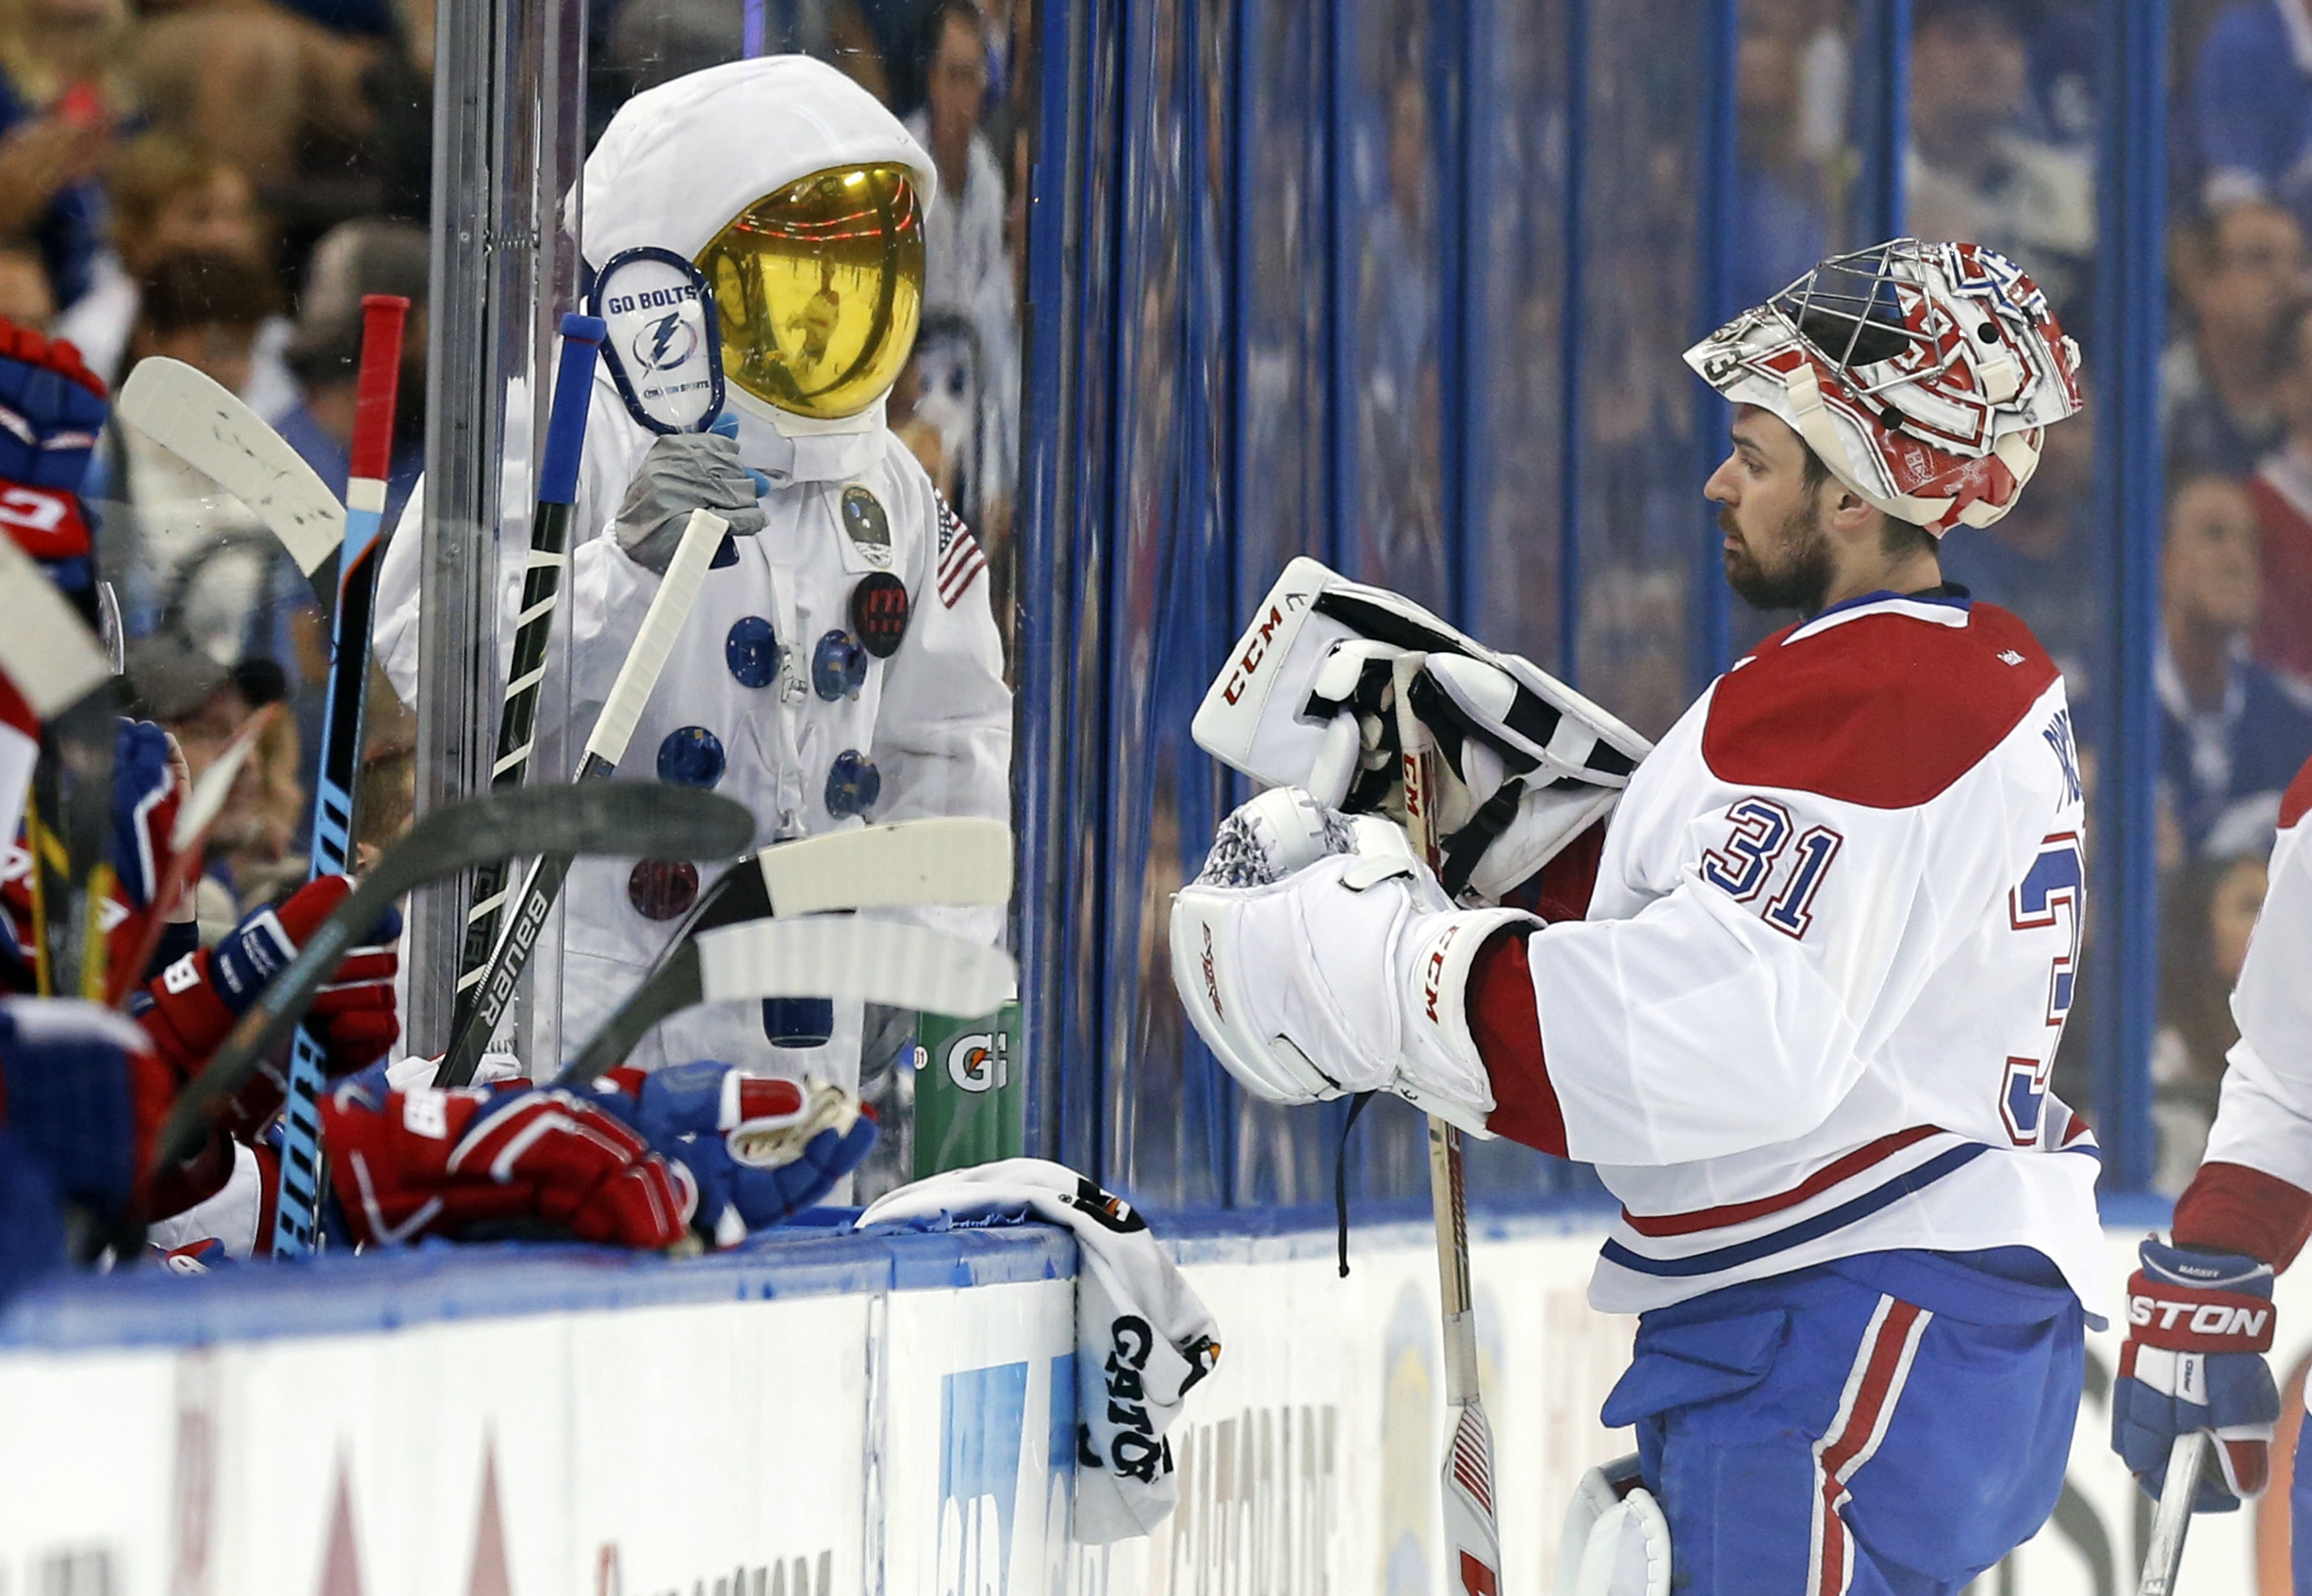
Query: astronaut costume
[803,200]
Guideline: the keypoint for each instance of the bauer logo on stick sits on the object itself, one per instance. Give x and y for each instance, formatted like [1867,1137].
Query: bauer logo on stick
[663,347]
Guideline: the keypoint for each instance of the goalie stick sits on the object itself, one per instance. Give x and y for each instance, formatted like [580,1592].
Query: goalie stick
[206,426]
[842,957]
[945,860]
[549,552]
[60,670]
[638,679]
[297,1214]
[598,818]
[2163,1556]
[1473,1537]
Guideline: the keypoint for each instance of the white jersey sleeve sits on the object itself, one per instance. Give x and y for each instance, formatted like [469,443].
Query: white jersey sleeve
[2264,1119]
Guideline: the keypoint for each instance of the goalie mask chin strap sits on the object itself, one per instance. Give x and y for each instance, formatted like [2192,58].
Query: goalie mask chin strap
[1341,1177]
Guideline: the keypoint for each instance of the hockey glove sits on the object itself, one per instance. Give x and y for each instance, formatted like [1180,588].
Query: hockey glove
[81,1097]
[425,1162]
[2198,1325]
[762,1149]
[1349,974]
[683,472]
[190,1006]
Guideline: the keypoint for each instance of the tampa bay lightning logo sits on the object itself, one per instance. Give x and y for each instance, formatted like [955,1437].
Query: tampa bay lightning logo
[665,342]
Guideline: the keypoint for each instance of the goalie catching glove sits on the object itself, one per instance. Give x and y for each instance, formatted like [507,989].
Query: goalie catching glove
[1307,700]
[1275,943]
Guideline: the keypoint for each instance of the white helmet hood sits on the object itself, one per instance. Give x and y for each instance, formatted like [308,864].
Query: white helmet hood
[679,161]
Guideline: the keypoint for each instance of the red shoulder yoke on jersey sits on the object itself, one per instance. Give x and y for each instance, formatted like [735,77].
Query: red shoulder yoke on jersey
[2229,1207]
[2298,799]
[1884,709]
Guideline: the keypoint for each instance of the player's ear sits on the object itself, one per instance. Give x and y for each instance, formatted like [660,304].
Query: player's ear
[1849,516]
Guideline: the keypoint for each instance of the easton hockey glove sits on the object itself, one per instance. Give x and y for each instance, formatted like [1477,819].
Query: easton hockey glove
[189,1007]
[2199,1326]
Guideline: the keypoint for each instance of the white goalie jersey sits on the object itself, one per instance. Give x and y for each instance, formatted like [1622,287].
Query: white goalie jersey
[1813,1007]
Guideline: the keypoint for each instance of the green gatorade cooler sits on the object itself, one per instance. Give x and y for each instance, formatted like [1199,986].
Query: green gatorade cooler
[971,1101]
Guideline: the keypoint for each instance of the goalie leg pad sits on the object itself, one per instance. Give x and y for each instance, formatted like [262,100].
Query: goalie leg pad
[1617,1541]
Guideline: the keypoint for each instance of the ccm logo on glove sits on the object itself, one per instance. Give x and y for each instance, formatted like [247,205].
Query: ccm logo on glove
[1249,665]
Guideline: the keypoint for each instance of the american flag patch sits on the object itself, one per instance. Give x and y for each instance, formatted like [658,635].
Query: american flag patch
[960,562]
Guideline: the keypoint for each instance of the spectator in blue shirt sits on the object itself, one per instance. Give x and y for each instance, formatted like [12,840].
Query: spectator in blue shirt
[2231,732]
[2252,98]
[2239,272]
[56,130]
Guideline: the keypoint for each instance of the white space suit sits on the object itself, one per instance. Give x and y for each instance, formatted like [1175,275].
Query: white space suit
[744,706]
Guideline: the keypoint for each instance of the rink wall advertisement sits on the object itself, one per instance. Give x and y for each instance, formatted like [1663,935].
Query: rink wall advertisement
[840,1416]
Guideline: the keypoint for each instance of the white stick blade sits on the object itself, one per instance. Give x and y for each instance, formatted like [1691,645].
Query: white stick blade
[950,859]
[205,424]
[46,650]
[882,961]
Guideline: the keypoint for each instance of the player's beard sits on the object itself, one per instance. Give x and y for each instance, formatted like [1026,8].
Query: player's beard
[1799,579]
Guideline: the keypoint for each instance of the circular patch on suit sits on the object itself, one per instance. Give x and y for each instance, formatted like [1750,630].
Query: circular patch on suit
[878,613]
[838,666]
[867,527]
[752,652]
[690,757]
[662,888]
[798,1021]
[852,783]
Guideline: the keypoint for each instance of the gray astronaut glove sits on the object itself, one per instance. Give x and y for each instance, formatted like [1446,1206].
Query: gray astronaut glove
[682,472]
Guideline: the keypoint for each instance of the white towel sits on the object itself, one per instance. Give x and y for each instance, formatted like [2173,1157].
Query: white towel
[1142,1337]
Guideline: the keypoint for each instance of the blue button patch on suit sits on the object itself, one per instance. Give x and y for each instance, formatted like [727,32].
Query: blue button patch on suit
[690,757]
[798,1021]
[752,652]
[852,783]
[838,666]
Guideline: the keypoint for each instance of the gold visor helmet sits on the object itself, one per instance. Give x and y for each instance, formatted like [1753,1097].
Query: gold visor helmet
[819,288]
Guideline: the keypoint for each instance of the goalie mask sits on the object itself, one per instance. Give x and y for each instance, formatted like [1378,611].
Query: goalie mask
[1924,375]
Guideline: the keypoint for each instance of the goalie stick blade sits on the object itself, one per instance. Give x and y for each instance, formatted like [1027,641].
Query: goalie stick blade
[206,426]
[880,961]
[1473,1537]
[596,819]
[945,860]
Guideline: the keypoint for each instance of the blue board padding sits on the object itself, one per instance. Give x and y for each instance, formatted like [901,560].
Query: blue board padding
[340,1294]
[565,428]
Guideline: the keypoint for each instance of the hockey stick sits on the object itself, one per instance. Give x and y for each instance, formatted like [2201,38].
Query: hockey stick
[549,546]
[2164,1557]
[60,670]
[297,1214]
[843,957]
[951,860]
[1473,1536]
[638,679]
[188,843]
[599,818]
[205,424]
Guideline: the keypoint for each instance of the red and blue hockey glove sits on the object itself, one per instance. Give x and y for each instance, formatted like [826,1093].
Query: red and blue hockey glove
[192,1006]
[52,408]
[761,1148]
[2199,1324]
[445,1164]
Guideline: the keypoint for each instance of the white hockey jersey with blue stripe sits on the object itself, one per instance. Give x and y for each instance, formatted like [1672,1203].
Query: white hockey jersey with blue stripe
[1813,1007]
